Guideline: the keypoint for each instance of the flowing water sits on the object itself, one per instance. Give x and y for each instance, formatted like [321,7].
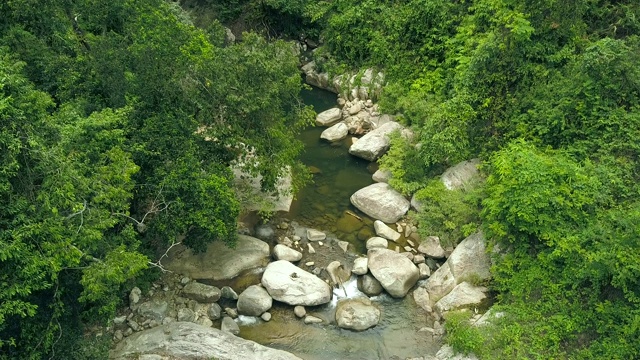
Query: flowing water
[323,205]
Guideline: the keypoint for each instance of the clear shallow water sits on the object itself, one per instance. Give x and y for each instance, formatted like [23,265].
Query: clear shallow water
[323,205]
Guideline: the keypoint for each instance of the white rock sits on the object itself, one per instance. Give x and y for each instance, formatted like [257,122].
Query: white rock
[461,174]
[184,340]
[336,132]
[381,202]
[396,273]
[464,295]
[431,247]
[377,242]
[283,252]
[357,314]
[329,117]
[385,231]
[315,235]
[288,283]
[360,266]
[375,143]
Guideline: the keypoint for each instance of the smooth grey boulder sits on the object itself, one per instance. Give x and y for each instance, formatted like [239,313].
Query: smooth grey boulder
[369,285]
[418,205]
[214,311]
[154,309]
[219,262]
[254,301]
[396,273]
[461,175]
[288,283]
[376,242]
[229,325]
[283,252]
[381,176]
[201,292]
[336,132]
[468,261]
[357,314]
[381,201]
[329,117]
[431,247]
[189,341]
[375,143]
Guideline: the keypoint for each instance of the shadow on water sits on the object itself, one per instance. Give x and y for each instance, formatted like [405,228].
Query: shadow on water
[325,205]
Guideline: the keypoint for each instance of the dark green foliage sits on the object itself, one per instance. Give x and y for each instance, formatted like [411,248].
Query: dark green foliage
[119,123]
[451,215]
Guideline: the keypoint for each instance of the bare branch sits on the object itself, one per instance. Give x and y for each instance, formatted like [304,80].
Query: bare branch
[158,263]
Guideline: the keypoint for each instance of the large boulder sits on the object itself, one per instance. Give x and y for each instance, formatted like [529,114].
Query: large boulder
[461,175]
[288,283]
[357,314]
[254,301]
[469,261]
[375,143]
[201,292]
[337,132]
[396,273]
[381,201]
[329,117]
[189,341]
[219,262]
[464,295]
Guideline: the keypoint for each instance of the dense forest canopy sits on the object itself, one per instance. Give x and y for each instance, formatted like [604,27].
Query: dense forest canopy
[119,121]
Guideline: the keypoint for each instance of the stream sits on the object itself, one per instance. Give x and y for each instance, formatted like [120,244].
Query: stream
[322,205]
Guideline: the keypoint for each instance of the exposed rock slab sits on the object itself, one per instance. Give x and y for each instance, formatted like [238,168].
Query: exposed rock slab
[329,117]
[464,295]
[288,283]
[375,143]
[461,174]
[381,201]
[189,341]
[220,262]
[396,273]
[470,259]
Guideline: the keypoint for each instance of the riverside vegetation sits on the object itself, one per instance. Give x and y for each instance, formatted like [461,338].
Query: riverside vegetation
[119,122]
